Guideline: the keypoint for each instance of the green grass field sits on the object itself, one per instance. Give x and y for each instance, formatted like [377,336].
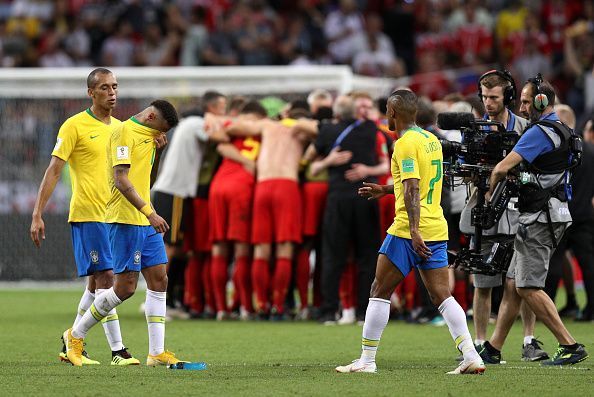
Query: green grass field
[261,358]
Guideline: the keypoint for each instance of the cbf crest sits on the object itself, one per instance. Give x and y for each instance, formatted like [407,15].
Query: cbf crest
[94,257]
[137,258]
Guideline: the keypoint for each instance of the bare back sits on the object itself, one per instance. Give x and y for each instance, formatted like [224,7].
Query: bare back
[280,152]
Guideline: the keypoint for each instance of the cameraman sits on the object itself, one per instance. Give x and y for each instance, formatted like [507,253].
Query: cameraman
[544,216]
[497,90]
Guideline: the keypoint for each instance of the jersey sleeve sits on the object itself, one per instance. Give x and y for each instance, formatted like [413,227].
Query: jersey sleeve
[532,144]
[121,146]
[405,153]
[66,141]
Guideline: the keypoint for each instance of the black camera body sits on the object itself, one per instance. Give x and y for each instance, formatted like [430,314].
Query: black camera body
[482,149]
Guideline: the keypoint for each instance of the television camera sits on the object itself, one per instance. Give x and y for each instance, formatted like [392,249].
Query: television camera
[484,144]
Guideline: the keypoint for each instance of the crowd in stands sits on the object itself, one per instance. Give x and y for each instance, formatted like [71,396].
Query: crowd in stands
[376,37]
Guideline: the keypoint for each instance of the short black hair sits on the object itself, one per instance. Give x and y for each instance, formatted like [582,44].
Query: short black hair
[167,110]
[426,115]
[92,77]
[382,105]
[299,109]
[406,102]
[211,96]
[254,107]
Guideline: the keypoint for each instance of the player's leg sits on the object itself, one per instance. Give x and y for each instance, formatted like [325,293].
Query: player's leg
[243,277]
[240,225]
[153,263]
[261,278]
[435,275]
[281,278]
[531,348]
[219,276]
[262,238]
[387,277]
[481,304]
[534,255]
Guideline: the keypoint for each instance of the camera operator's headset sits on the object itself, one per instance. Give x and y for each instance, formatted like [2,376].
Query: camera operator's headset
[540,100]
[509,92]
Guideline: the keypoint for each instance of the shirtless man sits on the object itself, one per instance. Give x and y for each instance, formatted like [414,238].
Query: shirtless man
[277,202]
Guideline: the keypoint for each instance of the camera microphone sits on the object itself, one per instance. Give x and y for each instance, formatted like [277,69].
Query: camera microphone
[454,121]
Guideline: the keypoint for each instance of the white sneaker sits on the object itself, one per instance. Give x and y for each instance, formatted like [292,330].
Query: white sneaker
[348,317]
[177,313]
[475,367]
[357,366]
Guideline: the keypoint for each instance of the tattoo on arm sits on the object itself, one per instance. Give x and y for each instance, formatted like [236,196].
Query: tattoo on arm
[412,202]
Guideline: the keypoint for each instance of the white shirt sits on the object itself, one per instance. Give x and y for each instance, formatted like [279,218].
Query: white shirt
[180,168]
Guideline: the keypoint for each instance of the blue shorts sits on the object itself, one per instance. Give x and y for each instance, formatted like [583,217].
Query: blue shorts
[92,252]
[400,251]
[135,247]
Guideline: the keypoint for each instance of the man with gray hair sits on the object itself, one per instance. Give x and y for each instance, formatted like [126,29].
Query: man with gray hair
[347,143]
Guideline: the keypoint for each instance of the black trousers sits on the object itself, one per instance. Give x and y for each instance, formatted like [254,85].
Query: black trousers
[349,221]
[579,237]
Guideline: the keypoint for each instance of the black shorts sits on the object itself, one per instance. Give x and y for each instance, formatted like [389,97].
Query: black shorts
[173,209]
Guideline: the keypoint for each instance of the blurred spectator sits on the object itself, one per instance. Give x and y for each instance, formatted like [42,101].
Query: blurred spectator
[471,34]
[374,53]
[195,39]
[77,42]
[119,49]
[558,15]
[588,131]
[579,61]
[54,55]
[157,50]
[341,27]
[470,13]
[220,47]
[510,21]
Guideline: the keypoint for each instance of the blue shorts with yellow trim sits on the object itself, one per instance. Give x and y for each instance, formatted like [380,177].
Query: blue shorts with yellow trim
[400,251]
[92,251]
[135,247]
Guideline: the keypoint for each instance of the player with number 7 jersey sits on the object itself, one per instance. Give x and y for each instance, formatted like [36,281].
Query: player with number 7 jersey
[417,154]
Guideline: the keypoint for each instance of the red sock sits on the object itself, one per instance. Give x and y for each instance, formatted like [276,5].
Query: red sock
[346,286]
[207,284]
[193,286]
[243,285]
[302,276]
[218,275]
[282,279]
[409,289]
[261,283]
[460,293]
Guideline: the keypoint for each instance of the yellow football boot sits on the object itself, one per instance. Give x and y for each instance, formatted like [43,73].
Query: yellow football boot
[165,358]
[74,348]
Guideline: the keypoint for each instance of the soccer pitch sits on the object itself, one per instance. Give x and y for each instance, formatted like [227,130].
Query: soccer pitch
[263,359]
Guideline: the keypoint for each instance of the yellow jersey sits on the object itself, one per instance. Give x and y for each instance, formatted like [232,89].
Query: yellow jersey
[418,155]
[133,144]
[81,142]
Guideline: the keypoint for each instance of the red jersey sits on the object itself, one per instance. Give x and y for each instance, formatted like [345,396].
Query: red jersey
[249,147]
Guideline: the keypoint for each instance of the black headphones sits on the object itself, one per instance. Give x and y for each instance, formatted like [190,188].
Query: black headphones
[540,100]
[509,92]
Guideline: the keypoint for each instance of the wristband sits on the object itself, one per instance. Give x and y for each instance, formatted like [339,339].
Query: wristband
[147,210]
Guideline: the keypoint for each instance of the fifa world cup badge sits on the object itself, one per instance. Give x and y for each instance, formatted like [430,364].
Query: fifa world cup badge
[94,257]
[137,257]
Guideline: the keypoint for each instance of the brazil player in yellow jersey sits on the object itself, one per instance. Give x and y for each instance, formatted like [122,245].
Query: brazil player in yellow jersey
[416,239]
[134,230]
[81,142]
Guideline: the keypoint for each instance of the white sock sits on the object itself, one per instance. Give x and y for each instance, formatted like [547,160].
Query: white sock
[478,342]
[111,326]
[455,318]
[528,339]
[376,319]
[85,302]
[154,309]
[99,309]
